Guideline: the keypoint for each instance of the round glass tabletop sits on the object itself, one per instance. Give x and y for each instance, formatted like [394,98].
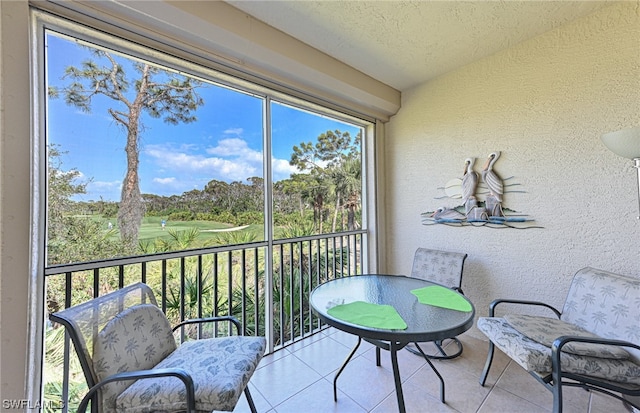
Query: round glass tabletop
[424,322]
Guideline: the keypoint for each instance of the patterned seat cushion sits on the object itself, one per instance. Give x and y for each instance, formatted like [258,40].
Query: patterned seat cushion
[220,368]
[545,330]
[136,339]
[536,357]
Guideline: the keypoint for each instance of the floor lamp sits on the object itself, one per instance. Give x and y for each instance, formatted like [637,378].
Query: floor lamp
[626,143]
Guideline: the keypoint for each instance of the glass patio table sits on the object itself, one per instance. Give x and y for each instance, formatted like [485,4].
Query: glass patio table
[424,322]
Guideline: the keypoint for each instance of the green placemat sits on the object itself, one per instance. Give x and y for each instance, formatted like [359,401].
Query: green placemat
[369,315]
[442,297]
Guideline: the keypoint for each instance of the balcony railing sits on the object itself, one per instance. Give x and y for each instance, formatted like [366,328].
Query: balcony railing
[266,285]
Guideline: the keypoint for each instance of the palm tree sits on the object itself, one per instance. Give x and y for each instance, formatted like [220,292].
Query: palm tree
[347,184]
[316,193]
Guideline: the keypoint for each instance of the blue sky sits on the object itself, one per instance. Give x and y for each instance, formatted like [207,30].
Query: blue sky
[225,143]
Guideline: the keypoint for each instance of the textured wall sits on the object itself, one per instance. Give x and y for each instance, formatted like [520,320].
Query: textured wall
[544,103]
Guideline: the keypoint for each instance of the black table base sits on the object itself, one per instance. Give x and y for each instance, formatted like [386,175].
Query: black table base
[425,323]
[392,347]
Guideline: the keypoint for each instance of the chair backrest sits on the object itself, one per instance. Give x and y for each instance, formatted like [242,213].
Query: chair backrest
[85,321]
[605,303]
[138,338]
[442,267]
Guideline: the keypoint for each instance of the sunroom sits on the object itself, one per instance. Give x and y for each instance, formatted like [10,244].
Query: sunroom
[537,82]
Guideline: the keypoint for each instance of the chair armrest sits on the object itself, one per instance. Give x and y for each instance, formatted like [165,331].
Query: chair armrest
[558,343]
[495,303]
[229,318]
[145,374]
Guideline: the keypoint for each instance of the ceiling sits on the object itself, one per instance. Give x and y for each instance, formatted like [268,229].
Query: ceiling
[406,43]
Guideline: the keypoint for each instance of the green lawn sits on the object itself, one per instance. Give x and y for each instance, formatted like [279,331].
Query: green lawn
[151,229]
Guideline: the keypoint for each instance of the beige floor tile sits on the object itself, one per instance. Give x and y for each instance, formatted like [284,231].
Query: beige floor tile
[270,358]
[502,401]
[283,378]
[324,356]
[309,340]
[428,348]
[416,401]
[319,398]
[474,356]
[262,405]
[601,403]
[516,380]
[574,400]
[366,383]
[635,400]
[463,393]
[408,363]
[350,341]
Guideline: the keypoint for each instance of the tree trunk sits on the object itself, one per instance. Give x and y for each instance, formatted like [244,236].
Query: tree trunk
[131,210]
[317,211]
[352,204]
[335,214]
[351,218]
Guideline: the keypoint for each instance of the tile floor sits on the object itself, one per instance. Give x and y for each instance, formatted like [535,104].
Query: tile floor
[299,379]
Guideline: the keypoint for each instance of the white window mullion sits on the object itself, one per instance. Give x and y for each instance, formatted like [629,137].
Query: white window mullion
[268,225]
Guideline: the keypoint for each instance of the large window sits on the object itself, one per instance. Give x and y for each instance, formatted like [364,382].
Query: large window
[144,157]
[223,195]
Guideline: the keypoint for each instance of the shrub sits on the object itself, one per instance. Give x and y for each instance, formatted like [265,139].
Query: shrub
[181,216]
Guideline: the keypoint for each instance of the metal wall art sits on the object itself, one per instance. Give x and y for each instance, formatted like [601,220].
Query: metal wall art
[482,196]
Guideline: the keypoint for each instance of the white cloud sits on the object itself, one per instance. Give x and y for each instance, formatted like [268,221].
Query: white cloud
[97,186]
[231,159]
[237,168]
[282,169]
[238,148]
[234,131]
[233,147]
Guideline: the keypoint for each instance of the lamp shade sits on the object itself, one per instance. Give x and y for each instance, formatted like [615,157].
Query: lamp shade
[625,142]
